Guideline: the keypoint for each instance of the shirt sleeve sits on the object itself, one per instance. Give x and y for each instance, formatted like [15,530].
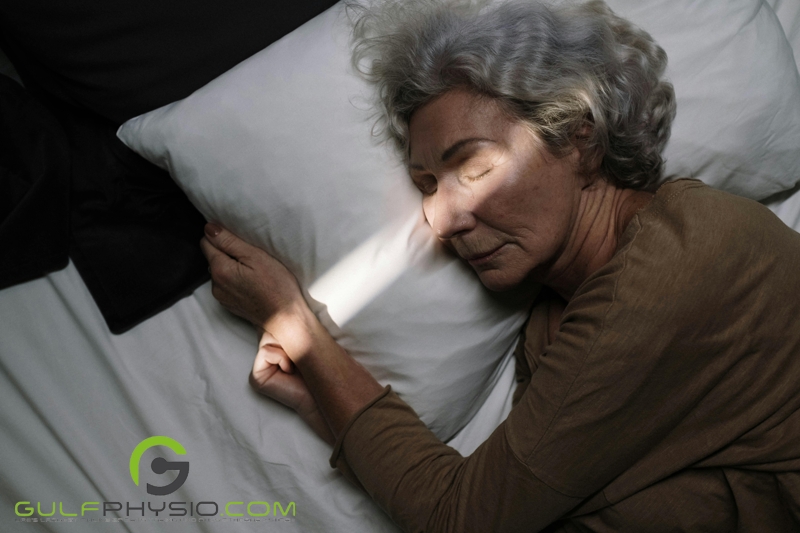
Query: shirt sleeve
[425,485]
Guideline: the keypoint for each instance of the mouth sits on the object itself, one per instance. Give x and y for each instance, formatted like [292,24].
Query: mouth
[485,257]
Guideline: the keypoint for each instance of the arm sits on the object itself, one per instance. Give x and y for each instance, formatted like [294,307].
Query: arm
[340,386]
[650,374]
[253,285]
[425,485]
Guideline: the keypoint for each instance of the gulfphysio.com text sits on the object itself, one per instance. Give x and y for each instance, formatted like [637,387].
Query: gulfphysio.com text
[233,509]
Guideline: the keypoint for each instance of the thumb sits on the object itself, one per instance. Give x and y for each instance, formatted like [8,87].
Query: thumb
[227,242]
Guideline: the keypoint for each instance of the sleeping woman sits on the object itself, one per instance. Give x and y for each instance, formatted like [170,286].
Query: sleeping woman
[658,374]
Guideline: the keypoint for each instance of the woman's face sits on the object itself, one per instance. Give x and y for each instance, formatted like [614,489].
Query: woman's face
[491,192]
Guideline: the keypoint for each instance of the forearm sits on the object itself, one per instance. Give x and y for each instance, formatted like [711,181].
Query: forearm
[339,384]
[425,485]
[422,483]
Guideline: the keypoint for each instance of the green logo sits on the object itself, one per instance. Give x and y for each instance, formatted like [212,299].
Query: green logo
[160,465]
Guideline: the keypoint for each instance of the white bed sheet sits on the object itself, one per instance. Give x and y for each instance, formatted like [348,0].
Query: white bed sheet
[77,400]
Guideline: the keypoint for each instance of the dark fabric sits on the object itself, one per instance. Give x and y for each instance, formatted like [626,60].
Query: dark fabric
[133,235]
[34,187]
[70,188]
[122,58]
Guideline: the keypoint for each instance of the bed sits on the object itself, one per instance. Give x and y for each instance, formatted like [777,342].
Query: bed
[77,400]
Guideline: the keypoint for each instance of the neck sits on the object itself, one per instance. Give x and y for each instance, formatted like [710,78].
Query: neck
[604,211]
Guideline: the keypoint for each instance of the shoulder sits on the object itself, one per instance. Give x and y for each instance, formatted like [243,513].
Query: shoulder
[694,264]
[693,239]
[689,218]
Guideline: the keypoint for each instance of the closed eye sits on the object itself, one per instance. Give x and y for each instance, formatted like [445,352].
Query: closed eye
[479,176]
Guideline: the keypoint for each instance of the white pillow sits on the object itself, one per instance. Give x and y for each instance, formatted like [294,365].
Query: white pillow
[738,92]
[279,151]
[788,12]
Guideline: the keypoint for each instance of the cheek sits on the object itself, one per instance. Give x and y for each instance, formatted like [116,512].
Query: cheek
[508,201]
[531,206]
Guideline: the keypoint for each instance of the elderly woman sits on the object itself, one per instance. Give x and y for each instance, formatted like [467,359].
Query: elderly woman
[658,377]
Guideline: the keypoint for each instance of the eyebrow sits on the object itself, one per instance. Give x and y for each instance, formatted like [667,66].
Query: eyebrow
[455,148]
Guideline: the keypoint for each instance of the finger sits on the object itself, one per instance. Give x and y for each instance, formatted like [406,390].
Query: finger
[267,338]
[273,352]
[276,356]
[262,372]
[216,258]
[269,357]
[288,389]
[227,242]
[223,270]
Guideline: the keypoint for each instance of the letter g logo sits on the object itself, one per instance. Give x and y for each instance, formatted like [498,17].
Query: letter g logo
[160,465]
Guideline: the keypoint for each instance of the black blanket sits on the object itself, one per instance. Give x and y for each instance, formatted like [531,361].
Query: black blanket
[68,187]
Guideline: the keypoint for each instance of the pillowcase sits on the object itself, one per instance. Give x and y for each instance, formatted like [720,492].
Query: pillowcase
[788,12]
[738,92]
[279,150]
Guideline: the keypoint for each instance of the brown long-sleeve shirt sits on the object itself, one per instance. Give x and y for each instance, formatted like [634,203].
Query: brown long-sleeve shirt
[669,399]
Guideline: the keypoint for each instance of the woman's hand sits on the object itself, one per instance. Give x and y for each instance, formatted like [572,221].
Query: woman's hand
[299,355]
[275,376]
[248,282]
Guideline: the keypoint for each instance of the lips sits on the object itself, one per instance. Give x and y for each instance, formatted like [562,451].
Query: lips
[483,257]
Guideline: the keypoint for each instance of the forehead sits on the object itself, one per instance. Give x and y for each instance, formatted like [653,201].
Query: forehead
[452,117]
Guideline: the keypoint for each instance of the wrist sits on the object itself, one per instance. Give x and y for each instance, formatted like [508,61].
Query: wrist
[295,330]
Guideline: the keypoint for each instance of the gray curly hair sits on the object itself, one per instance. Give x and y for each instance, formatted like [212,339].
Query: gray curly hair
[557,68]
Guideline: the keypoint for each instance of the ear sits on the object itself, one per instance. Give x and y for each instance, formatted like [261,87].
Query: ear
[584,131]
[590,156]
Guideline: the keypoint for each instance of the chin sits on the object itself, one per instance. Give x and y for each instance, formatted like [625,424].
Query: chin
[497,281]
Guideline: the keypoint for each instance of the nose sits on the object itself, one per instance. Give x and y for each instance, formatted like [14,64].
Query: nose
[448,212]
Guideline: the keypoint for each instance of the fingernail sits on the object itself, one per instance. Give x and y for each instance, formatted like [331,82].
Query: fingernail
[212,230]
